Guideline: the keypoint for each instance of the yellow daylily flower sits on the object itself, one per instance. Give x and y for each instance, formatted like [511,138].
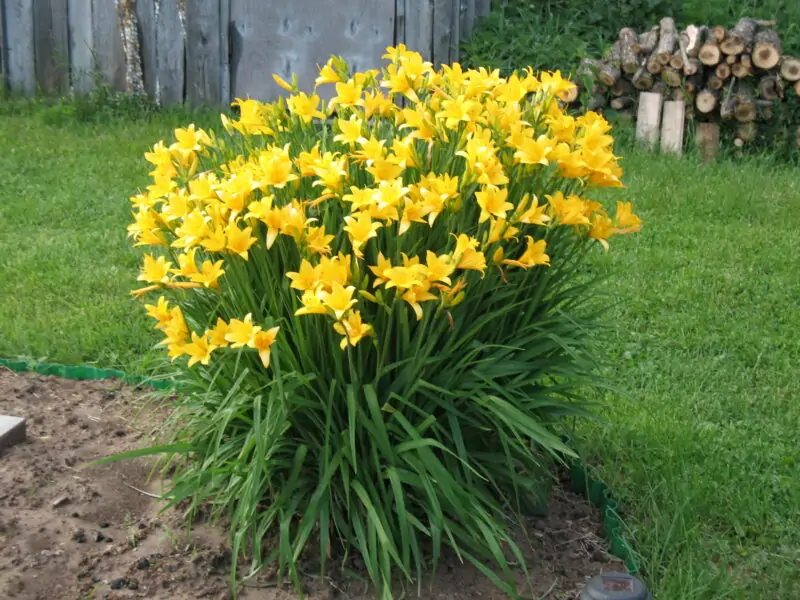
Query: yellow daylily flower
[353,329]
[534,255]
[242,332]
[263,342]
[199,350]
[155,270]
[493,202]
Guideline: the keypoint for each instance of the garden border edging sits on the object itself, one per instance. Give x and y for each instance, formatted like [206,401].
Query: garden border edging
[581,480]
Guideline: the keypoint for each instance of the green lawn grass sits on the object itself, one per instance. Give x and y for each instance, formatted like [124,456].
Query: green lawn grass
[702,449]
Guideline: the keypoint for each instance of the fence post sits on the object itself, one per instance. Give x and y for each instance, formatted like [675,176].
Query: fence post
[81,45]
[51,50]
[169,53]
[107,39]
[146,17]
[203,55]
[419,27]
[19,41]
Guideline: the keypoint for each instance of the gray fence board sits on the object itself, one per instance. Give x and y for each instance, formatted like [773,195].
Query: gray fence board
[277,37]
[81,45]
[419,27]
[107,38]
[224,49]
[3,80]
[170,56]
[442,27]
[467,18]
[50,42]
[455,31]
[203,54]
[146,16]
[483,8]
[19,41]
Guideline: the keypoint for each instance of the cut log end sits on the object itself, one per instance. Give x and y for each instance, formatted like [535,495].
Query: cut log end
[707,141]
[709,54]
[706,101]
[790,68]
[767,49]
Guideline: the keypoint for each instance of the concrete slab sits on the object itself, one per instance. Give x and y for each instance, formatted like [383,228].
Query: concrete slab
[12,431]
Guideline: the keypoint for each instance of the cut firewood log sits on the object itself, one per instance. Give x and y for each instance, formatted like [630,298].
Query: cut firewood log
[715,83]
[672,77]
[740,37]
[613,53]
[741,69]
[570,95]
[770,88]
[727,103]
[654,66]
[765,109]
[648,118]
[672,127]
[677,60]
[790,68]
[706,101]
[747,131]
[622,103]
[659,87]
[738,142]
[642,79]
[693,37]
[588,70]
[628,58]
[710,53]
[692,66]
[718,33]
[723,70]
[667,41]
[707,141]
[797,87]
[609,74]
[766,49]
[623,87]
[745,110]
[731,59]
[647,41]
[597,102]
[693,83]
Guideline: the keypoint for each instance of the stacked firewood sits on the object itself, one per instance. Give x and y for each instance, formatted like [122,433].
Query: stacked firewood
[723,74]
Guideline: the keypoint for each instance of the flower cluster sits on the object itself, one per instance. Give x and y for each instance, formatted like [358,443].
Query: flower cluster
[400,191]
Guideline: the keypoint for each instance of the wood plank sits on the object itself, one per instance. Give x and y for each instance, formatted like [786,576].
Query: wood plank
[203,53]
[442,27]
[3,79]
[648,119]
[483,8]
[51,46]
[455,31]
[224,49]
[146,16]
[81,45]
[19,41]
[12,431]
[467,19]
[672,126]
[170,56]
[419,27]
[108,52]
[271,36]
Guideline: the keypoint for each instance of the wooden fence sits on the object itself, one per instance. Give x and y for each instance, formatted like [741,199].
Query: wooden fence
[207,52]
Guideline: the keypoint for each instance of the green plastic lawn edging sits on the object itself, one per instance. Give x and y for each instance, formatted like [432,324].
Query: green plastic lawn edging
[84,372]
[580,479]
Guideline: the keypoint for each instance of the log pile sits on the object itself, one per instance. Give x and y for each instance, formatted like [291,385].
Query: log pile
[734,75]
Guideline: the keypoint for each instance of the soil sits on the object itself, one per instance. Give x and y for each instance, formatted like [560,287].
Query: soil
[68,532]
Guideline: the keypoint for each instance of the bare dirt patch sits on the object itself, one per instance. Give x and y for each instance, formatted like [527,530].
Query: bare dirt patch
[67,532]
